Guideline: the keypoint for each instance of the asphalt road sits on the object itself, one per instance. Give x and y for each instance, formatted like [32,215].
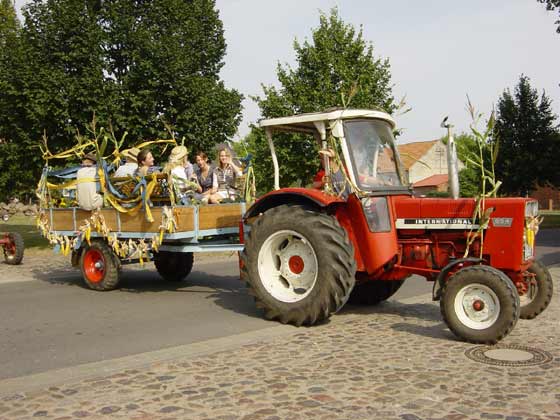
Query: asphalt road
[52,321]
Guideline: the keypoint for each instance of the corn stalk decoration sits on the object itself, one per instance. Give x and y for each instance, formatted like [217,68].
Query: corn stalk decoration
[484,161]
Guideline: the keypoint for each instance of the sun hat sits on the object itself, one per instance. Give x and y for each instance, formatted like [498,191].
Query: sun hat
[131,153]
[178,153]
[90,156]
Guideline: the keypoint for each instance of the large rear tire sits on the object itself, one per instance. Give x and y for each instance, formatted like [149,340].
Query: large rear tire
[539,292]
[173,266]
[299,265]
[480,304]
[100,266]
[373,292]
[13,250]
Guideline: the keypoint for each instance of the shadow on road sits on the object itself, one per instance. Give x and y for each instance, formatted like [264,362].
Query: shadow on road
[427,312]
[228,292]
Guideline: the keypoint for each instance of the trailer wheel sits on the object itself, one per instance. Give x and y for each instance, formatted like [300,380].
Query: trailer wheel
[13,250]
[480,304]
[539,293]
[173,266]
[100,266]
[299,265]
[372,292]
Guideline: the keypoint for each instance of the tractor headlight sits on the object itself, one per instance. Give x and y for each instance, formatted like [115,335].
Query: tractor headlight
[531,209]
[530,229]
[377,214]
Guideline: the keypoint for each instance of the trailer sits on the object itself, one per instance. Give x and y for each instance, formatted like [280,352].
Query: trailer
[102,241]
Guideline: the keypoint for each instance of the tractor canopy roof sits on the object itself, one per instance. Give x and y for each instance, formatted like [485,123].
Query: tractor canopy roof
[307,123]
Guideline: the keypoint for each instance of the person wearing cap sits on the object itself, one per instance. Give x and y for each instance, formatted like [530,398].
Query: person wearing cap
[87,184]
[130,166]
[175,167]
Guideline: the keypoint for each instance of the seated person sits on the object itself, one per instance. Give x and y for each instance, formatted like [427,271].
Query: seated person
[86,188]
[226,173]
[146,166]
[130,166]
[338,178]
[175,167]
[205,177]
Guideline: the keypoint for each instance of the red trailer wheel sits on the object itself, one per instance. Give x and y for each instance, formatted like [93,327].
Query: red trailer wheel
[100,268]
[13,248]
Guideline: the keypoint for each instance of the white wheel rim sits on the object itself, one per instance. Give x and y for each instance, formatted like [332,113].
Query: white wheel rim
[287,266]
[477,306]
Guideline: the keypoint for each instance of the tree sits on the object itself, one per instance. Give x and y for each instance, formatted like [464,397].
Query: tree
[135,64]
[528,138]
[553,5]
[12,177]
[336,65]
[164,59]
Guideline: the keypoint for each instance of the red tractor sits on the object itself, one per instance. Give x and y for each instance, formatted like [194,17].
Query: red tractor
[308,251]
[13,246]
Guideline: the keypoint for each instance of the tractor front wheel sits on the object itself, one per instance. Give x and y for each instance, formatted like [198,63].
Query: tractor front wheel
[13,250]
[100,266]
[299,265]
[173,266]
[372,292]
[480,304]
[539,291]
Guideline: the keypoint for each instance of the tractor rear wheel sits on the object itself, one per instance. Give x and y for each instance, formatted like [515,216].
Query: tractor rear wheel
[372,292]
[539,292]
[299,265]
[100,266]
[173,266]
[480,304]
[13,250]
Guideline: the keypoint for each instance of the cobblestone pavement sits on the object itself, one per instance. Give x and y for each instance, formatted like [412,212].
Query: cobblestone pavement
[396,360]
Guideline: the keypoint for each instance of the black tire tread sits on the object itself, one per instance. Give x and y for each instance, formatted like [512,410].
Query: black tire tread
[544,293]
[479,336]
[173,266]
[373,292]
[334,243]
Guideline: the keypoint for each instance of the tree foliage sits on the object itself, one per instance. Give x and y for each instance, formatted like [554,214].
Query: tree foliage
[134,64]
[553,5]
[336,68]
[529,140]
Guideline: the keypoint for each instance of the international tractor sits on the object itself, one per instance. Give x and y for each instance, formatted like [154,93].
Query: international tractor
[363,232]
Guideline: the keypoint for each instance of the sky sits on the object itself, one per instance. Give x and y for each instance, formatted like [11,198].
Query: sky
[440,51]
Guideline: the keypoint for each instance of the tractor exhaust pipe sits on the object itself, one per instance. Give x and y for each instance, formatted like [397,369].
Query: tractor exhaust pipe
[452,164]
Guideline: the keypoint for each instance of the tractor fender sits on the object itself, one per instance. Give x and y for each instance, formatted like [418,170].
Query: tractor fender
[438,284]
[302,196]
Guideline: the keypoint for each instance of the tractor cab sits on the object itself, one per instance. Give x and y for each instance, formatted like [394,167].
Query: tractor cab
[363,141]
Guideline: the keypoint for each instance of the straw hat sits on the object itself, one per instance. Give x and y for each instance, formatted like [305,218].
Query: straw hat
[131,153]
[178,153]
[90,156]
